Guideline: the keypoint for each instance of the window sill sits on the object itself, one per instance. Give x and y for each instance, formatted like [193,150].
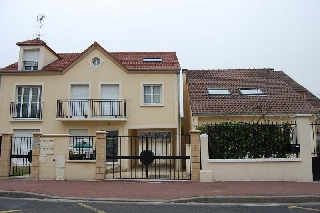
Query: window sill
[258,160]
[25,119]
[152,105]
[81,161]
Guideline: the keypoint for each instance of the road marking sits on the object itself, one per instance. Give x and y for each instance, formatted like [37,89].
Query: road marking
[298,207]
[18,210]
[90,207]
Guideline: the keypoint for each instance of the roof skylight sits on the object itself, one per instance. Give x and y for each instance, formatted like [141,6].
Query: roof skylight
[218,92]
[251,91]
[152,60]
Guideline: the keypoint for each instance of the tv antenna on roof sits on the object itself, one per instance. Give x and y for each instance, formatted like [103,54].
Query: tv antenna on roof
[40,20]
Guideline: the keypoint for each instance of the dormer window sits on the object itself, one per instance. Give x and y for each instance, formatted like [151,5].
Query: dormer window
[30,60]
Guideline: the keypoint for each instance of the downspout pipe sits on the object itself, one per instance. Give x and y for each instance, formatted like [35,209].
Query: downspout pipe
[179,110]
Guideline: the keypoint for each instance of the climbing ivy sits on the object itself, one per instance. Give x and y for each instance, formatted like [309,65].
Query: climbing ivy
[238,140]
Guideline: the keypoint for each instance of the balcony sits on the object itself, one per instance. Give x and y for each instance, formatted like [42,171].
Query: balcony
[26,111]
[30,65]
[91,109]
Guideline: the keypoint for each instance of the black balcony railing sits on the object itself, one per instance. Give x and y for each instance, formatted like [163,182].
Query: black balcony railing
[91,108]
[26,110]
[30,65]
[82,148]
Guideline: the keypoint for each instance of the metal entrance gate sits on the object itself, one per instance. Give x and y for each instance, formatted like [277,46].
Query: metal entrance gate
[146,157]
[316,152]
[20,156]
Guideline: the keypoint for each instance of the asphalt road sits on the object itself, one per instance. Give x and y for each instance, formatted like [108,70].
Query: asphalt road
[10,205]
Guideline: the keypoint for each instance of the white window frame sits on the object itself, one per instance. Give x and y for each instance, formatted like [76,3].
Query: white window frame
[96,61]
[156,59]
[30,102]
[152,84]
[252,92]
[218,91]
[32,63]
[91,59]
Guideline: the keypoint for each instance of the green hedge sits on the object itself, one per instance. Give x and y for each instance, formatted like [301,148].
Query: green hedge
[237,140]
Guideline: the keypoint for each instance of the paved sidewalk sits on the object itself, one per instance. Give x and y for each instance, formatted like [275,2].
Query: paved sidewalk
[165,191]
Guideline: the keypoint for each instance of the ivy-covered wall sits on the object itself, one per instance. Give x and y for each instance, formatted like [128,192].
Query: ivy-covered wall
[238,140]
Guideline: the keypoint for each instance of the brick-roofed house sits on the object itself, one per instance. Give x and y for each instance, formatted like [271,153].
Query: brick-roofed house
[243,95]
[123,93]
[311,98]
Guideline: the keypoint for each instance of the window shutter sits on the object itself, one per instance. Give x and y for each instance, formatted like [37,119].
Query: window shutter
[110,91]
[25,132]
[31,55]
[110,108]
[79,91]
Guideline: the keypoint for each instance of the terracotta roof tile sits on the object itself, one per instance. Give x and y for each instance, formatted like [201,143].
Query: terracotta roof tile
[36,41]
[281,98]
[299,88]
[129,60]
[134,60]
[13,66]
[61,64]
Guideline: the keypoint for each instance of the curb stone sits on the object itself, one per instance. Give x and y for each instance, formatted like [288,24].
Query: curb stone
[205,199]
[251,199]
[32,195]
[19,194]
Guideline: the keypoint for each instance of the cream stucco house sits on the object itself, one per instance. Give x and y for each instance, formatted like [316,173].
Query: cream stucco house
[123,93]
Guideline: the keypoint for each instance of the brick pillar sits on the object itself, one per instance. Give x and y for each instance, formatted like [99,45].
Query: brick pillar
[5,154]
[195,155]
[101,155]
[35,155]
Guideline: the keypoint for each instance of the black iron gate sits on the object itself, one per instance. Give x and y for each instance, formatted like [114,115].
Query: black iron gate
[148,156]
[21,156]
[316,152]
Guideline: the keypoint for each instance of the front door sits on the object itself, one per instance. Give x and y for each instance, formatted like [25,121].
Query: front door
[112,145]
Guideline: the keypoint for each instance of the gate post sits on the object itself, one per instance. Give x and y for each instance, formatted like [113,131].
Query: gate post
[101,155]
[195,155]
[5,154]
[35,155]
[305,141]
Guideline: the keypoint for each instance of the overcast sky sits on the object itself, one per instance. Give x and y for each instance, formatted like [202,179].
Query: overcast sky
[206,34]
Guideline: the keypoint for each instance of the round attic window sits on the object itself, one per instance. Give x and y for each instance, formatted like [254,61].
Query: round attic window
[96,61]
